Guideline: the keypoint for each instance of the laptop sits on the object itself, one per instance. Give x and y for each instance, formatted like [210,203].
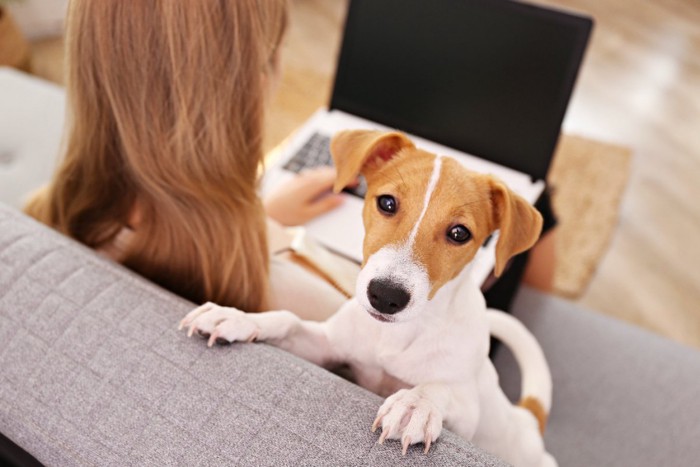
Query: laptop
[484,81]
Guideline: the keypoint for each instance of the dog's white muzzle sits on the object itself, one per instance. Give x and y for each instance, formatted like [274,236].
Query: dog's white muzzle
[392,287]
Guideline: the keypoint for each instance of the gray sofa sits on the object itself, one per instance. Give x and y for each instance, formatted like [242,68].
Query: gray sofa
[94,372]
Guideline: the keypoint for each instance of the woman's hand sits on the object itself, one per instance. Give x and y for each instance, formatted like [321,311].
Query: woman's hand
[303,198]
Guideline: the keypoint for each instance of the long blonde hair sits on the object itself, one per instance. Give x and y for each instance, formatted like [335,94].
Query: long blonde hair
[166,113]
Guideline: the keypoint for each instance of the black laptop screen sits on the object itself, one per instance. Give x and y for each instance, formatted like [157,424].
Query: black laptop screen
[488,77]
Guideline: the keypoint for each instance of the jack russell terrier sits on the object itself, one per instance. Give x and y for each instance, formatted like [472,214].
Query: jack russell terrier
[418,329]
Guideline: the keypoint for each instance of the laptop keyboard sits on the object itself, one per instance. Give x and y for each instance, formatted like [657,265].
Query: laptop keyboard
[316,153]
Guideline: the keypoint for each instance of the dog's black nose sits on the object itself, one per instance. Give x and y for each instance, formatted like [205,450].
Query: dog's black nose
[387,297]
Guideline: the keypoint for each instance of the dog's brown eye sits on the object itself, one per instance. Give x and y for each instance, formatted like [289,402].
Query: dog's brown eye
[387,204]
[459,234]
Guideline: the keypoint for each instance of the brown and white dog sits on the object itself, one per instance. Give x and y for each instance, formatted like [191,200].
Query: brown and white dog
[418,329]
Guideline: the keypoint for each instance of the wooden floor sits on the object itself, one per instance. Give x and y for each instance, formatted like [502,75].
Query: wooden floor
[640,87]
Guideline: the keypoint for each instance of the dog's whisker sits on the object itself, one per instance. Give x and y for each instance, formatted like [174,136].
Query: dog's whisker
[469,203]
[401,176]
[389,176]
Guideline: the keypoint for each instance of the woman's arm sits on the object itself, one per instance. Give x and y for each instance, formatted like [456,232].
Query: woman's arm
[541,265]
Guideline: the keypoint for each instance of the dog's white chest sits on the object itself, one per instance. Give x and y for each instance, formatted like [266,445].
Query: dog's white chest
[377,380]
[388,374]
[403,358]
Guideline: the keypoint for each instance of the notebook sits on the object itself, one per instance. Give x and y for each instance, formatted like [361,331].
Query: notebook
[484,81]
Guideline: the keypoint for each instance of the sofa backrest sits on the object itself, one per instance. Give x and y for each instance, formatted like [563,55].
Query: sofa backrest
[96,373]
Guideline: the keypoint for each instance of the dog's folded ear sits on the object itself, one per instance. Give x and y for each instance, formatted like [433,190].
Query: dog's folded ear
[361,151]
[519,222]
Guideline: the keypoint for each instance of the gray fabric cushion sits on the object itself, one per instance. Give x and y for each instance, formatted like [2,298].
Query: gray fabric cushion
[622,396]
[94,372]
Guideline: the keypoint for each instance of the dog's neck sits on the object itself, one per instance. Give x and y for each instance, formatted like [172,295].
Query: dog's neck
[454,296]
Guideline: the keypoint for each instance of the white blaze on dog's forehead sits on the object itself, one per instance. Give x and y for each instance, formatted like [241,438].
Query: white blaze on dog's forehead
[437,165]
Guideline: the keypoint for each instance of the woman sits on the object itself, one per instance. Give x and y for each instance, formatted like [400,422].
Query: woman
[164,145]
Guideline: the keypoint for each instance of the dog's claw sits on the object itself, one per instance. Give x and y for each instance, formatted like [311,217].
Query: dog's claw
[409,417]
[212,339]
[385,433]
[428,442]
[216,339]
[191,331]
[253,337]
[406,443]
[376,423]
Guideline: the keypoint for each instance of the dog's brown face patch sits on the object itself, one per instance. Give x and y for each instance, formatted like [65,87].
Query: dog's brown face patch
[460,198]
[407,184]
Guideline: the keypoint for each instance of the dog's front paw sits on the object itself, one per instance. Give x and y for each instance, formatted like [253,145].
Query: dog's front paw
[222,325]
[410,417]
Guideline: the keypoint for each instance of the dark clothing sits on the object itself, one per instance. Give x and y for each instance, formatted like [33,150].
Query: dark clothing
[12,455]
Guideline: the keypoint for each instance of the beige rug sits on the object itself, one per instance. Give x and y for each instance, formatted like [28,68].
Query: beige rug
[589,179]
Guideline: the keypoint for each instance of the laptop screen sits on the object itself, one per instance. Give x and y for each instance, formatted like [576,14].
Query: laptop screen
[491,78]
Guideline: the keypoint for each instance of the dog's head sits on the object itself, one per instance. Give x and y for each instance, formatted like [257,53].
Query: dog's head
[425,218]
